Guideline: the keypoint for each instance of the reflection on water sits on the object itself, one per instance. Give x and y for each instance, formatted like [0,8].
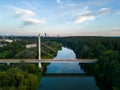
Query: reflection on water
[66,83]
[65,53]
[66,67]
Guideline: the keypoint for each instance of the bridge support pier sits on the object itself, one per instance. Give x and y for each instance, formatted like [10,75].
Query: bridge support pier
[8,64]
[39,65]
[39,51]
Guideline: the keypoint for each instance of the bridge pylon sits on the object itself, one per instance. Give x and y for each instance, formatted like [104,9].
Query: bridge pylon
[39,51]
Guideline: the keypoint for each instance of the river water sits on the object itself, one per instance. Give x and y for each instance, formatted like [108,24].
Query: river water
[66,83]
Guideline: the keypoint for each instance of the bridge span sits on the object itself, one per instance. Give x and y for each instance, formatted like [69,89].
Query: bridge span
[47,60]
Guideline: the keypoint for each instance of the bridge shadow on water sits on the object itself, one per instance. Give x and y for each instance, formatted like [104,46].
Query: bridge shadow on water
[67,75]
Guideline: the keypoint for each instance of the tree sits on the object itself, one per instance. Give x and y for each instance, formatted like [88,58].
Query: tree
[86,52]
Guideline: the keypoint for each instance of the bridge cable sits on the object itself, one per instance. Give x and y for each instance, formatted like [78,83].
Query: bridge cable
[49,48]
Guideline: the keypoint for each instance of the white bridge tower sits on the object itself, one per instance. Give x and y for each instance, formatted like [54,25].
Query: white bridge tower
[39,51]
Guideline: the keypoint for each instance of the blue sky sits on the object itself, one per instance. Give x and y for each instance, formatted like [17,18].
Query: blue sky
[60,17]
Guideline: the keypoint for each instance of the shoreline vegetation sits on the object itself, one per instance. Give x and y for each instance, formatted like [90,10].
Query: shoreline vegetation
[23,76]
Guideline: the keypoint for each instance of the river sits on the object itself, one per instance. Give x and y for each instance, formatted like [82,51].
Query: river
[66,83]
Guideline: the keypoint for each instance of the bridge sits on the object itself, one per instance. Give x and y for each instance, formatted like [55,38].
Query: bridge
[40,61]
[47,60]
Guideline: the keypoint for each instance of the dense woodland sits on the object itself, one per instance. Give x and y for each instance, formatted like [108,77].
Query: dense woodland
[23,76]
[19,77]
[105,49]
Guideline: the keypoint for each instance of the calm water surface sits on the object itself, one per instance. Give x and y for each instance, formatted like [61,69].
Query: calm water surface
[66,83]
[66,67]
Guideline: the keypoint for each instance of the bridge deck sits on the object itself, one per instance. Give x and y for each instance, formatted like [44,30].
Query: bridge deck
[47,60]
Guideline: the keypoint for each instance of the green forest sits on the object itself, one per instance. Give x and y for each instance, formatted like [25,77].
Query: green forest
[105,49]
[24,76]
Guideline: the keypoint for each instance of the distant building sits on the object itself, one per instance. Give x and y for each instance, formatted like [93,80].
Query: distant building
[8,40]
[45,34]
[31,45]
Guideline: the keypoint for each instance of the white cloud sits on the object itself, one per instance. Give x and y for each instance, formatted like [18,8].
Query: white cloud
[85,11]
[58,1]
[24,13]
[27,16]
[118,13]
[115,28]
[30,21]
[21,12]
[84,18]
[87,15]
[32,5]
[103,11]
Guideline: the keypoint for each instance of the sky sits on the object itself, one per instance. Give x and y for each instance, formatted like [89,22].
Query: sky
[60,17]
